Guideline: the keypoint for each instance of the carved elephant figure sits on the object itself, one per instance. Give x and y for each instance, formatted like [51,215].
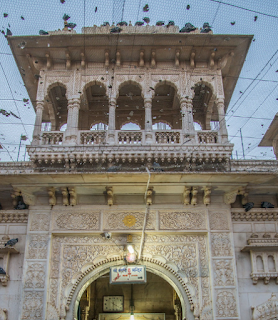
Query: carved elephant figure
[3,314]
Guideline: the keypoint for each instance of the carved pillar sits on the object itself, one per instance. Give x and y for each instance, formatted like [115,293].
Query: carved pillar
[111,121]
[72,121]
[38,122]
[189,105]
[184,115]
[222,122]
[148,120]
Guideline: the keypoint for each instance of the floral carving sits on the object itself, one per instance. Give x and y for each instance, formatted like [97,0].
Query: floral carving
[35,276]
[40,222]
[218,221]
[74,221]
[32,308]
[115,221]
[14,217]
[221,244]
[223,273]
[182,220]
[52,313]
[226,305]
[37,246]
[129,220]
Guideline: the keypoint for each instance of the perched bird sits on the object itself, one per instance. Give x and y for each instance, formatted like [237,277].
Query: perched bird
[66,17]
[188,28]
[95,9]
[233,23]
[146,8]
[115,30]
[122,23]
[170,23]
[157,167]
[5,15]
[37,76]
[62,1]
[9,33]
[43,33]
[106,23]
[11,242]
[206,28]
[71,25]
[248,206]
[2,271]
[22,18]
[188,7]
[255,18]
[146,19]
[160,23]
[139,23]
[266,204]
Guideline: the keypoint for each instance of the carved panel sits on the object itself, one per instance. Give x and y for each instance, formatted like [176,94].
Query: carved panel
[13,216]
[218,221]
[226,305]
[221,244]
[40,222]
[77,221]
[32,308]
[267,310]
[116,220]
[37,248]
[223,273]
[182,220]
[35,276]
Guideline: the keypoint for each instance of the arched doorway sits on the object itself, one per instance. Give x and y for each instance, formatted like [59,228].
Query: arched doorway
[166,279]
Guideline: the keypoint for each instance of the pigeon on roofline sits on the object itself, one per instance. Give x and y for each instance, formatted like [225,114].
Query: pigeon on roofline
[188,28]
[170,23]
[122,23]
[139,23]
[146,19]
[9,33]
[206,28]
[2,271]
[11,242]
[106,23]
[66,17]
[160,23]
[248,206]
[71,25]
[43,33]
[115,30]
[146,8]
[266,204]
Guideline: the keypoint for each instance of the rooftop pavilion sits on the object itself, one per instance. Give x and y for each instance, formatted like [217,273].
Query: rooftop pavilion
[153,79]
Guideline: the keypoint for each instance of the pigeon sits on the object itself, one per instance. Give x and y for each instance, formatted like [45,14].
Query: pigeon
[95,9]
[122,23]
[22,18]
[160,23]
[9,33]
[37,76]
[62,1]
[188,28]
[248,206]
[206,28]
[11,242]
[66,17]
[2,271]
[266,204]
[139,23]
[106,23]
[146,8]
[188,7]
[156,167]
[233,23]
[115,30]
[255,18]
[5,15]
[170,23]
[43,33]
[71,25]
[146,19]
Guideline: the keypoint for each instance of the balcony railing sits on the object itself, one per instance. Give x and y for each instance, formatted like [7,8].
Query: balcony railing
[92,137]
[129,137]
[52,138]
[207,136]
[168,137]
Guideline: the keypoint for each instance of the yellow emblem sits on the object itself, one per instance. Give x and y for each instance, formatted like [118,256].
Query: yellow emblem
[129,221]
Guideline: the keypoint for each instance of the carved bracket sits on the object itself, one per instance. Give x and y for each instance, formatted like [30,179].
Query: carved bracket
[230,197]
[52,196]
[109,193]
[267,310]
[3,314]
[207,192]
[149,196]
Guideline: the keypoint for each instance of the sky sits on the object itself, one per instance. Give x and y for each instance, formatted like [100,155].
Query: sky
[255,99]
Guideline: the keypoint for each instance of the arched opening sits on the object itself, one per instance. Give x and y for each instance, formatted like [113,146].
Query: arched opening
[94,106]
[130,105]
[63,127]
[271,264]
[197,126]
[99,126]
[56,111]
[260,265]
[130,126]
[176,288]
[166,105]
[201,105]
[161,126]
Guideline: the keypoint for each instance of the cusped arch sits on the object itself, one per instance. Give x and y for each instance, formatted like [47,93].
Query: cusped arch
[134,121]
[128,82]
[76,288]
[94,83]
[169,83]
[56,84]
[157,121]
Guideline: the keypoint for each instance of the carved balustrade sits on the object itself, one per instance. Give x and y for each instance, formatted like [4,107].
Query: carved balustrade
[207,136]
[167,137]
[129,137]
[92,137]
[52,138]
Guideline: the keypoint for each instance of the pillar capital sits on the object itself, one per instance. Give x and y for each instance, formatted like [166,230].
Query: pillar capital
[39,105]
[74,102]
[219,101]
[148,102]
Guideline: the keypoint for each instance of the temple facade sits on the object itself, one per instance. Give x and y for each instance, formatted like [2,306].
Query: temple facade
[131,171]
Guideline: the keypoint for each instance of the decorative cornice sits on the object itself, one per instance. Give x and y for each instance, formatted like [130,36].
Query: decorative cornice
[14,216]
[256,214]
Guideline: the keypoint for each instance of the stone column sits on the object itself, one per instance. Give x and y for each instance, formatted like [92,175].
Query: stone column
[111,121]
[184,116]
[222,122]
[38,122]
[72,121]
[189,105]
[148,121]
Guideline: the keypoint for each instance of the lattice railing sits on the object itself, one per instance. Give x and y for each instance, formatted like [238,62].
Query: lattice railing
[52,137]
[130,137]
[167,137]
[92,137]
[207,136]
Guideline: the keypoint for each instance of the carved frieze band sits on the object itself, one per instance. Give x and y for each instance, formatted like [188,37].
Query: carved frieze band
[255,215]
[14,216]
[77,221]
[181,220]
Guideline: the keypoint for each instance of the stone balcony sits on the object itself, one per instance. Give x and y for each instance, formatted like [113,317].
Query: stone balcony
[170,149]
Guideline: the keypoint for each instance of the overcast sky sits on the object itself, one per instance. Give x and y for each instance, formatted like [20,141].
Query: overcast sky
[255,99]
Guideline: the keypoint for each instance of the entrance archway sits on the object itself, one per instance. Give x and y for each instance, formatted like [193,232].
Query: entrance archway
[185,293]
